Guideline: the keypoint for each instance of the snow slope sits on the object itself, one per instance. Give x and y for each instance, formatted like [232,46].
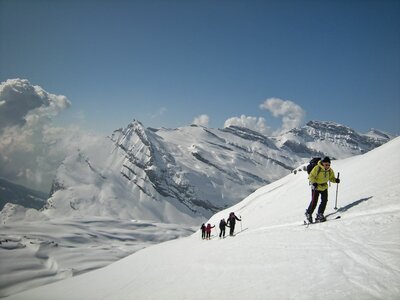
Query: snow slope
[274,257]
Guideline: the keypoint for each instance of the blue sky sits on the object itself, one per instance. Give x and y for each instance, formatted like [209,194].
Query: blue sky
[166,62]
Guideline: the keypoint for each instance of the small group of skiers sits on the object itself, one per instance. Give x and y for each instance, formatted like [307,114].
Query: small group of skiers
[230,222]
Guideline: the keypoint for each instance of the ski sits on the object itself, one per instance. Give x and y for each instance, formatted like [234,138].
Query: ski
[241,231]
[307,223]
[235,234]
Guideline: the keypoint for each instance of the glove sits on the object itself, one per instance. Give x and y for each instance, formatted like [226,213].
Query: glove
[314,186]
[337,180]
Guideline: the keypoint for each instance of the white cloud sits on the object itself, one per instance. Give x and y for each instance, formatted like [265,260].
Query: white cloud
[292,116]
[291,113]
[254,123]
[31,148]
[23,103]
[202,120]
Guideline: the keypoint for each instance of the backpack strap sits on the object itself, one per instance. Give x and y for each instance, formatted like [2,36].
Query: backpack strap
[319,171]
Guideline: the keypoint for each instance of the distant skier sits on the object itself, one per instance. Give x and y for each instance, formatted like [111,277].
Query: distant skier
[232,221]
[319,177]
[222,225]
[208,230]
[203,231]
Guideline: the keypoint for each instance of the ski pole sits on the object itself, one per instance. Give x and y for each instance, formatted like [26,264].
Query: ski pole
[337,188]
[241,227]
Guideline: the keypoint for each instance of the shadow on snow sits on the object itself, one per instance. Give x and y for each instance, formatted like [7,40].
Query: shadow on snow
[349,206]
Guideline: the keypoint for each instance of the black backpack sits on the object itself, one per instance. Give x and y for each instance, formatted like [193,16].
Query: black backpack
[312,164]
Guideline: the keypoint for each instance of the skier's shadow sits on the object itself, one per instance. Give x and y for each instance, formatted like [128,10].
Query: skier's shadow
[348,206]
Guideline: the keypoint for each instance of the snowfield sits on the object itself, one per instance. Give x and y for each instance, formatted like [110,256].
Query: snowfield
[273,256]
[34,253]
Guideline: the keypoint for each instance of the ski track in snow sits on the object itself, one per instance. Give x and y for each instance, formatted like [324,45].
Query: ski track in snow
[367,259]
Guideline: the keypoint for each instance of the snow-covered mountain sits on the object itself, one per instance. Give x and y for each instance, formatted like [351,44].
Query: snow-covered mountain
[18,194]
[273,256]
[188,173]
[337,140]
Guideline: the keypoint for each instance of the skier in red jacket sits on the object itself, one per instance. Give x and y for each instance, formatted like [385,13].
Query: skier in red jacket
[208,231]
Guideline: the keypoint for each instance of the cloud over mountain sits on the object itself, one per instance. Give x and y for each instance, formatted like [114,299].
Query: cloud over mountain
[254,123]
[31,147]
[201,120]
[24,104]
[291,113]
[292,116]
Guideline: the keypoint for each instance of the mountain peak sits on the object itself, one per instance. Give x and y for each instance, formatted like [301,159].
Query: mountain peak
[135,123]
[123,137]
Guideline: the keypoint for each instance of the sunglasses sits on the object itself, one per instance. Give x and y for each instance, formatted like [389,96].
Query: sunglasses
[326,164]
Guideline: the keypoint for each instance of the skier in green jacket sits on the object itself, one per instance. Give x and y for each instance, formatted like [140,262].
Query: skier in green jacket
[319,177]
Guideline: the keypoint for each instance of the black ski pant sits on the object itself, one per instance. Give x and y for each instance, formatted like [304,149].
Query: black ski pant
[222,232]
[203,234]
[314,201]
[231,228]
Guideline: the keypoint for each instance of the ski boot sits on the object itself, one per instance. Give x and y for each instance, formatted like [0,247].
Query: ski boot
[320,218]
[309,217]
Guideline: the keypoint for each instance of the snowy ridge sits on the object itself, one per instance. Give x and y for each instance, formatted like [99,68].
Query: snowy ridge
[189,173]
[356,257]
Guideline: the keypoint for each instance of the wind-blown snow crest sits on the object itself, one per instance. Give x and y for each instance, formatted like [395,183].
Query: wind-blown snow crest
[273,256]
